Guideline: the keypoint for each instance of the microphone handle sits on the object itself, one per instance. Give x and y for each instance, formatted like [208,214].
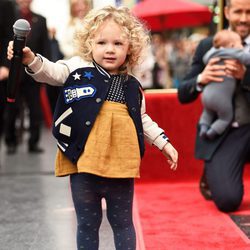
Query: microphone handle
[15,68]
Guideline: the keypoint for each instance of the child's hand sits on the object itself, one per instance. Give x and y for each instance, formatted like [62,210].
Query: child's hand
[172,155]
[28,55]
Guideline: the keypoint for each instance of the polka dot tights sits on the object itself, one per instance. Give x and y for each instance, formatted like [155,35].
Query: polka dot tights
[87,193]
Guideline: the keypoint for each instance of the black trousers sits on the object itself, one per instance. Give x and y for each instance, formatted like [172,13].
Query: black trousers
[29,93]
[225,170]
[3,87]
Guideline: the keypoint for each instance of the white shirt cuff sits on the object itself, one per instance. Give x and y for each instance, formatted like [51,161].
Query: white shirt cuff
[199,87]
[35,65]
[161,141]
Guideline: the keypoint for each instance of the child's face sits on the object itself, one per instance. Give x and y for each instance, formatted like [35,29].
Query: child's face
[110,46]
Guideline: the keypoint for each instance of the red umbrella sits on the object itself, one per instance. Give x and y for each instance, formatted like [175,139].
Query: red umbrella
[160,15]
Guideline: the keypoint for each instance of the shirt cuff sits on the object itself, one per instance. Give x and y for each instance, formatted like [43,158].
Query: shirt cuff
[199,87]
[35,65]
[161,141]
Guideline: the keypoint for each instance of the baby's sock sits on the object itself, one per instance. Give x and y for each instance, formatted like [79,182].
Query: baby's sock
[203,130]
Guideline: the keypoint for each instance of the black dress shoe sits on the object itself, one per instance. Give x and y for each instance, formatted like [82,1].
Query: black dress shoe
[204,188]
[11,149]
[35,149]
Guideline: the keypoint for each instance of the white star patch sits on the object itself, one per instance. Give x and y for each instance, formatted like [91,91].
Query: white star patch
[76,76]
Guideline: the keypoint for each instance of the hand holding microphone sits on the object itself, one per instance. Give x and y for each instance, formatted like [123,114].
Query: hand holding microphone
[18,56]
[28,54]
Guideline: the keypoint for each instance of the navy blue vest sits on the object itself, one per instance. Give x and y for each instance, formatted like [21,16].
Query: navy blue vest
[79,103]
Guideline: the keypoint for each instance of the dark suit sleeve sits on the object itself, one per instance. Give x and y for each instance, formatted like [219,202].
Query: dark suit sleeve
[245,84]
[187,91]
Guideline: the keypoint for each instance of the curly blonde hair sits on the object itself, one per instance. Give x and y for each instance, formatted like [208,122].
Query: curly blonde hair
[136,32]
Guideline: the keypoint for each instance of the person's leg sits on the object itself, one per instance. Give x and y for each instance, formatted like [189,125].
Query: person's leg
[225,117]
[225,171]
[218,98]
[119,199]
[203,186]
[87,202]
[2,105]
[31,91]
[10,130]
[205,121]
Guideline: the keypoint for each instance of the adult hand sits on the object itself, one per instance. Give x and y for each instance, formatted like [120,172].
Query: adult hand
[213,72]
[235,69]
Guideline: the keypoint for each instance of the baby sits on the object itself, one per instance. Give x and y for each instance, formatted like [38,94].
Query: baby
[217,96]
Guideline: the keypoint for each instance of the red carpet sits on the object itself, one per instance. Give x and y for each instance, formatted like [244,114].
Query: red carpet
[174,216]
[170,212]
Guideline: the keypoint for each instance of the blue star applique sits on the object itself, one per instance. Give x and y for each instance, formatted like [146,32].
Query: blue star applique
[88,74]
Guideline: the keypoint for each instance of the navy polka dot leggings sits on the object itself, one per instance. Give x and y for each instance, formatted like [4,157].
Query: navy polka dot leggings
[87,192]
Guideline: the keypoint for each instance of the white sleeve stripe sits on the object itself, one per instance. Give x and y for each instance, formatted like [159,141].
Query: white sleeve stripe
[63,116]
[65,144]
[61,147]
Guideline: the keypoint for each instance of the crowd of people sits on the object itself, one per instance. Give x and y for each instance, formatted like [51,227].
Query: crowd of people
[110,54]
[168,60]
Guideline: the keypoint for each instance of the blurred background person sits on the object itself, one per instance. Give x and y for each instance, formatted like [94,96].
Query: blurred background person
[180,60]
[161,71]
[56,54]
[192,42]
[28,97]
[7,19]
[78,10]
[144,72]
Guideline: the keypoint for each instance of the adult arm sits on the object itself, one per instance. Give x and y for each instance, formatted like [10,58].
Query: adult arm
[200,75]
[245,83]
[188,91]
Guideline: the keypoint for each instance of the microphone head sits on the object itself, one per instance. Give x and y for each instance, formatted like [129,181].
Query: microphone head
[21,28]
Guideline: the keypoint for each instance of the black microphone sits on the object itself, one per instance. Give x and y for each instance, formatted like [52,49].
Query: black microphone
[21,30]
